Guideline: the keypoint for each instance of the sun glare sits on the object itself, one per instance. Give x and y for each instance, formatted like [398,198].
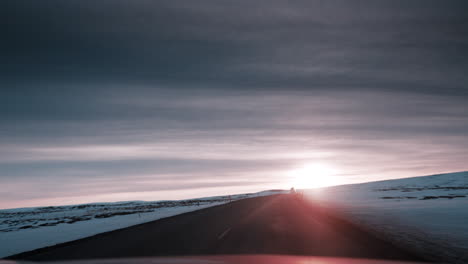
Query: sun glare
[312,176]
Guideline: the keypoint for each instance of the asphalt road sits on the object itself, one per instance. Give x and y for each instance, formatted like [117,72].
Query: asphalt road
[279,224]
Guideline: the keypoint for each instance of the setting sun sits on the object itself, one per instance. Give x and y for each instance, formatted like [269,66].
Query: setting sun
[313,176]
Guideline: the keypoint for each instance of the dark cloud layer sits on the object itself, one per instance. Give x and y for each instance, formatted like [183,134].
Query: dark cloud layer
[303,44]
[228,89]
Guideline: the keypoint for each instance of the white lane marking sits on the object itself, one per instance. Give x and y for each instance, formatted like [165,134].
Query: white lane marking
[224,233]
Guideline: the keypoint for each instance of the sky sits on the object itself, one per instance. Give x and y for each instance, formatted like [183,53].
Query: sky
[144,100]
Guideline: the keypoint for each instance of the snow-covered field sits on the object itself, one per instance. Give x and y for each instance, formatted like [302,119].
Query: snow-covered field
[428,214]
[26,229]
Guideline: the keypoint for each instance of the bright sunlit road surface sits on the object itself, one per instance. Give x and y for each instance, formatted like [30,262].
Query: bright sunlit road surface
[278,224]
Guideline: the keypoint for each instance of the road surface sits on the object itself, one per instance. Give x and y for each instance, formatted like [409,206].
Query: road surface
[278,224]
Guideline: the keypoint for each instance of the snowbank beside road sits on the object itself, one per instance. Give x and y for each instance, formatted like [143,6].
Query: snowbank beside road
[428,214]
[26,229]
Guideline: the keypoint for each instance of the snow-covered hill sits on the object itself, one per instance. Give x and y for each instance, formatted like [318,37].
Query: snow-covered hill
[26,229]
[428,214]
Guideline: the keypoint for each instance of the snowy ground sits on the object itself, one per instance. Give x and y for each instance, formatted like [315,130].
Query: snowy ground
[428,214]
[26,229]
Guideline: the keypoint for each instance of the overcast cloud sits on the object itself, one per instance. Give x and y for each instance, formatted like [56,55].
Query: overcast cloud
[117,100]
